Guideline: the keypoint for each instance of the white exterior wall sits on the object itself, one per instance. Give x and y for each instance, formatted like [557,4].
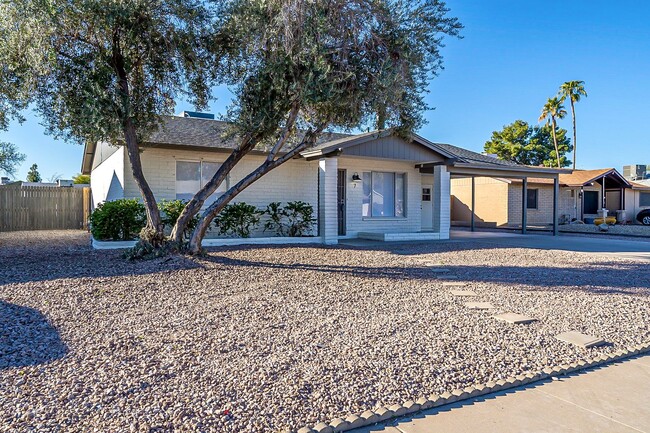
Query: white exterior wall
[632,206]
[355,223]
[294,180]
[107,179]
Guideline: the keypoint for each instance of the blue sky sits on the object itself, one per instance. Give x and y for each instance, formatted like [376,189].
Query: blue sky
[514,55]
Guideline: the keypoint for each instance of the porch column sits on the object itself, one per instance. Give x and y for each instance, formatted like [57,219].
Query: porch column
[556,193]
[524,205]
[327,201]
[473,202]
[441,201]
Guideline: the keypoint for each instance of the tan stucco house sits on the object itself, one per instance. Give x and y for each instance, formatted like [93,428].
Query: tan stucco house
[373,185]
[582,193]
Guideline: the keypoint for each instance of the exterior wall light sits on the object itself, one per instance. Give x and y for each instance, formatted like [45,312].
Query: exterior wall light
[356,178]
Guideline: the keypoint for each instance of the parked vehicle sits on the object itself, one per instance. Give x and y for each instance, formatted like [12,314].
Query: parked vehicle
[644,217]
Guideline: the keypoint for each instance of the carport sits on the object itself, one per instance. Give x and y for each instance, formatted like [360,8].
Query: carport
[467,164]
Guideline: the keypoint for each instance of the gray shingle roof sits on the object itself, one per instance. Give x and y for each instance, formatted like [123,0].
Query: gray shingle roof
[467,156]
[194,132]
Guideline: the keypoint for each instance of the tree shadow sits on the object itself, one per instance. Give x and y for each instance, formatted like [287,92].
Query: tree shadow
[27,338]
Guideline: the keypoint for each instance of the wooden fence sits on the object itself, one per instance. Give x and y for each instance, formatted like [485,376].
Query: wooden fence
[43,208]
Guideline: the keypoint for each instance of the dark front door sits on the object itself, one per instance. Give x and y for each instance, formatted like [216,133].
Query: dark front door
[340,200]
[590,205]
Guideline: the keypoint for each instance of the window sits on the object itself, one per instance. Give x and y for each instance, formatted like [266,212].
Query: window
[426,194]
[192,175]
[531,196]
[644,199]
[383,194]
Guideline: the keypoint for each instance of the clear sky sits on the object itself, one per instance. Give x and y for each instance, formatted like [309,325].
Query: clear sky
[514,55]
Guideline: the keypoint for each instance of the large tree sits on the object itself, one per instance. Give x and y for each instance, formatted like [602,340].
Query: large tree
[573,91]
[99,70]
[526,144]
[551,111]
[10,158]
[304,66]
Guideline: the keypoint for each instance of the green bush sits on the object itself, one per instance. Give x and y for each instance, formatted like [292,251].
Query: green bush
[118,220]
[295,219]
[171,210]
[300,218]
[237,220]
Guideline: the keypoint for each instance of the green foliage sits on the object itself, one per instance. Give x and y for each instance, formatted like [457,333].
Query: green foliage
[171,210]
[10,158]
[237,220]
[522,143]
[343,63]
[274,214]
[33,175]
[572,90]
[81,179]
[295,219]
[89,65]
[117,220]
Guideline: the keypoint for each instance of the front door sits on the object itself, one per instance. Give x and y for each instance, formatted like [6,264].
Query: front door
[340,200]
[427,207]
[590,203]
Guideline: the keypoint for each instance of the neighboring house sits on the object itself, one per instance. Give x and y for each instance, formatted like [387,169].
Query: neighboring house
[582,193]
[373,185]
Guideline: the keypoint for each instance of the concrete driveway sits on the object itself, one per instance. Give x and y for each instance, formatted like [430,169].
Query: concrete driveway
[626,248]
[608,399]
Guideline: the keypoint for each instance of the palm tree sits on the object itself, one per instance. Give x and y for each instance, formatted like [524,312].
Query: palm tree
[553,109]
[573,90]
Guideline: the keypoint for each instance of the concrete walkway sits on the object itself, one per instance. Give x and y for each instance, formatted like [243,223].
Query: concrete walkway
[625,248]
[609,399]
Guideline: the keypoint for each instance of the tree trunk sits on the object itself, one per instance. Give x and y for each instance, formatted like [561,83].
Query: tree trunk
[197,201]
[248,143]
[153,231]
[557,151]
[213,210]
[575,140]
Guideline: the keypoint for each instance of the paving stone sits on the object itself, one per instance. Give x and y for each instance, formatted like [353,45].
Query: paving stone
[517,319]
[453,284]
[579,339]
[463,293]
[479,305]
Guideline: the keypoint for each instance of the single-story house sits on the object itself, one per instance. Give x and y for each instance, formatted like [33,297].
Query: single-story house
[582,194]
[373,185]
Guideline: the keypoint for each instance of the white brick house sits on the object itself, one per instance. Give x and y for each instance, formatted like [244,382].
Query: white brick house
[373,185]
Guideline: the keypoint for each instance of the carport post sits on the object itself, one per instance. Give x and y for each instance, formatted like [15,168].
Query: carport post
[556,193]
[524,205]
[473,201]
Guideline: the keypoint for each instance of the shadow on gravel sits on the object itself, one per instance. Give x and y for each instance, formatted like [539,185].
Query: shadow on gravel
[27,337]
[607,278]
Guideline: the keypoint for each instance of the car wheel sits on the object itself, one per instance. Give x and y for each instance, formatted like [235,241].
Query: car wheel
[646,220]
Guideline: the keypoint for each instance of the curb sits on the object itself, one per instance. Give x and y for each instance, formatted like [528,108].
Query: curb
[380,414]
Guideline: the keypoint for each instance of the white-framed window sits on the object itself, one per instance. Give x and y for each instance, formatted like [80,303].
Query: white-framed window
[384,194]
[191,176]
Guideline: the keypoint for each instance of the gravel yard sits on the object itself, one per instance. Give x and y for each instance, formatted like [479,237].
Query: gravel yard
[254,339]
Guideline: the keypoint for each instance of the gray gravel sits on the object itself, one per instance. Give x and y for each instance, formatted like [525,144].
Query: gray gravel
[625,230]
[271,339]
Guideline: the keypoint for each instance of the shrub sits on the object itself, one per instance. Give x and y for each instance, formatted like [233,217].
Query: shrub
[118,220]
[171,210]
[237,220]
[300,218]
[295,219]
[275,215]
